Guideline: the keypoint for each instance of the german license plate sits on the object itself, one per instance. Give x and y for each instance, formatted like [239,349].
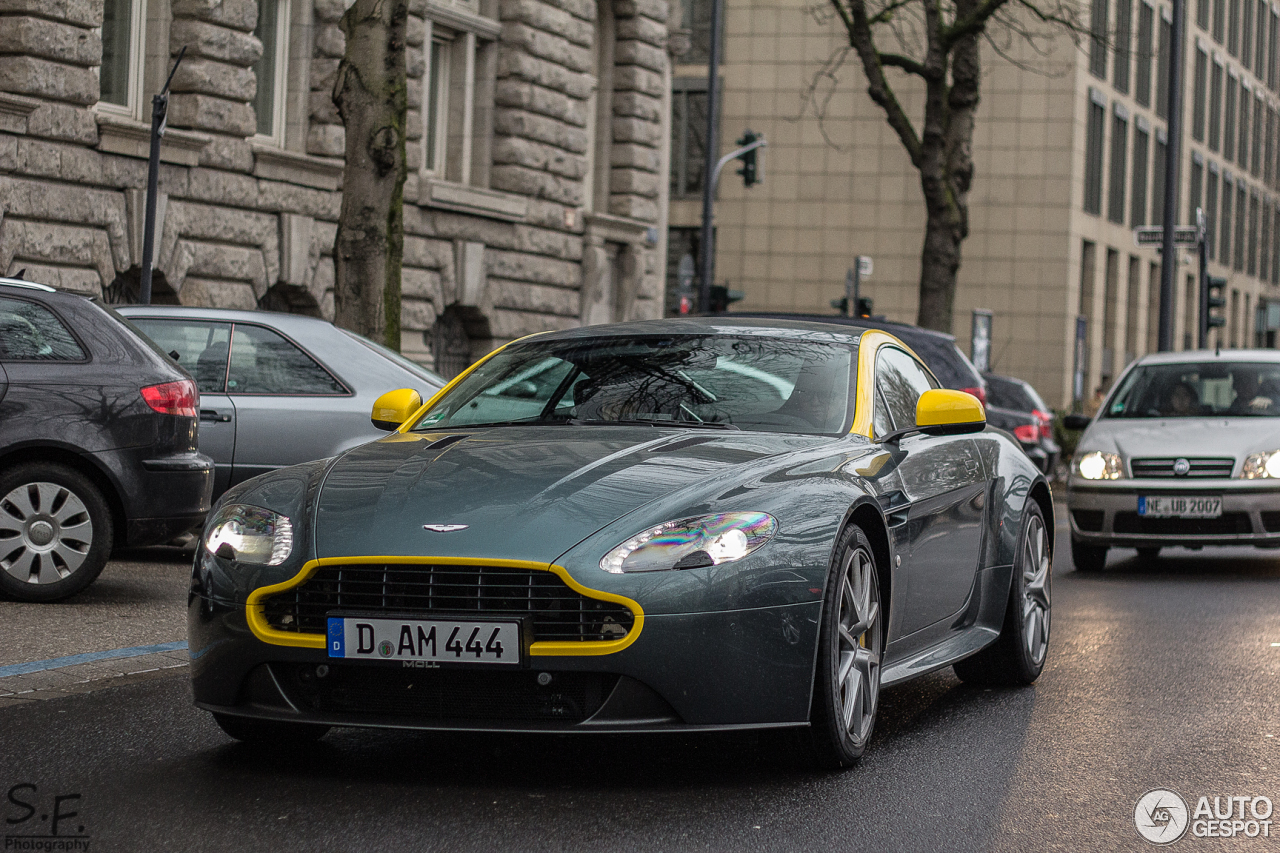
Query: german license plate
[1179,507]
[435,640]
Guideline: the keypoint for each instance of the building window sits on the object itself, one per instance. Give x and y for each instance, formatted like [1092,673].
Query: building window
[1275,255]
[1219,19]
[1193,191]
[1157,178]
[1198,82]
[1260,50]
[1202,14]
[1211,210]
[600,113]
[1162,67]
[1093,152]
[1242,145]
[1273,67]
[1119,141]
[1215,107]
[1242,211]
[1229,120]
[1246,34]
[688,137]
[1233,27]
[1138,197]
[270,70]
[1124,37]
[1251,262]
[1264,263]
[1269,149]
[1259,120]
[457,95]
[120,76]
[697,20]
[1224,222]
[1142,77]
[1098,45]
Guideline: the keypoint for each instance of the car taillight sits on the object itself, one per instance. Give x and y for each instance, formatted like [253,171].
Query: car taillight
[173,398]
[1027,433]
[980,393]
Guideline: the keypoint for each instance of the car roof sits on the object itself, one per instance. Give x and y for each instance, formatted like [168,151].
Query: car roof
[880,323]
[279,319]
[1192,356]
[714,325]
[26,285]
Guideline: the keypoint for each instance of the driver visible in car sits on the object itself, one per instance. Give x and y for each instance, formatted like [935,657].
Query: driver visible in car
[1183,401]
[1249,397]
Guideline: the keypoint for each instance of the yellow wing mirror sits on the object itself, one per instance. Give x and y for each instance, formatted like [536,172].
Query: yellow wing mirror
[395,407]
[941,411]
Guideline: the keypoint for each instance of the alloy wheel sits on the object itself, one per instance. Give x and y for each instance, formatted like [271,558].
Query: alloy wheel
[1036,591]
[859,644]
[45,532]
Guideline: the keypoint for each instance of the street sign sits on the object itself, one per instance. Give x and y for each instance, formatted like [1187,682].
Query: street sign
[865,266]
[1153,235]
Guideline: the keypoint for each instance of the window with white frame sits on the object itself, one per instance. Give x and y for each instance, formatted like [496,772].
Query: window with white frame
[457,99]
[120,75]
[271,68]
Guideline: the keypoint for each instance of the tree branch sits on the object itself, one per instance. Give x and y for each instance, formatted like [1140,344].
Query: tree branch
[968,24]
[906,63]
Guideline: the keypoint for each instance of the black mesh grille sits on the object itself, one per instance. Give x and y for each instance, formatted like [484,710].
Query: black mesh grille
[1229,523]
[1088,519]
[446,694]
[557,611]
[1200,467]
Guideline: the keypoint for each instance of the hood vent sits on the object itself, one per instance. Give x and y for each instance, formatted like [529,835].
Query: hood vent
[442,443]
[682,444]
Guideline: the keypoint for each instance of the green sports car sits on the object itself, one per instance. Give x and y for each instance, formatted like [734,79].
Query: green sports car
[674,525]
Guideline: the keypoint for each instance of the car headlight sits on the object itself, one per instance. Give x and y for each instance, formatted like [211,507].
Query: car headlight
[692,543]
[1260,466]
[250,534]
[1098,465]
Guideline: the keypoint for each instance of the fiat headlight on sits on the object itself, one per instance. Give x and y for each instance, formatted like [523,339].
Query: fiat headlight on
[1098,465]
[1261,466]
[692,543]
[250,534]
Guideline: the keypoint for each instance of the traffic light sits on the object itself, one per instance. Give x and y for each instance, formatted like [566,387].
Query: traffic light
[1216,298]
[864,306]
[722,297]
[751,172]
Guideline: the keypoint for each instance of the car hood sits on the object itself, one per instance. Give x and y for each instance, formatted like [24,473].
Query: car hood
[1205,437]
[526,493]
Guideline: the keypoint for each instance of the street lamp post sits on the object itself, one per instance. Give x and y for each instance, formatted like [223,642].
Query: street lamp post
[159,119]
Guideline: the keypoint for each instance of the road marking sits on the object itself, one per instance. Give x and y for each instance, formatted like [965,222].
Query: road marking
[88,657]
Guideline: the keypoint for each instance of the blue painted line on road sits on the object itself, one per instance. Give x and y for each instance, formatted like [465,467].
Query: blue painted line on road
[88,657]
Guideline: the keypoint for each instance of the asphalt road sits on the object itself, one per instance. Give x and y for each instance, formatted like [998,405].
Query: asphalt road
[1161,675]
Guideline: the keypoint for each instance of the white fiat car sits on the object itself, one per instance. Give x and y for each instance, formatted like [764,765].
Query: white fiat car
[1184,451]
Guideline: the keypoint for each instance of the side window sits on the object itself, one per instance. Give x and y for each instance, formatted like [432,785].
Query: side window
[200,347]
[881,424]
[901,379]
[31,332]
[263,362]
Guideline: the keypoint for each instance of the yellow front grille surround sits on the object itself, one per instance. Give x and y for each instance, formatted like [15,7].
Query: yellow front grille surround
[255,606]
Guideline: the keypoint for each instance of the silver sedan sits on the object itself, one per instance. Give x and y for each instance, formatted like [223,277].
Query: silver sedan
[1184,451]
[277,389]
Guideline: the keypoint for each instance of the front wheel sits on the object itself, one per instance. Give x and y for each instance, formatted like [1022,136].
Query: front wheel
[55,532]
[1018,654]
[851,643]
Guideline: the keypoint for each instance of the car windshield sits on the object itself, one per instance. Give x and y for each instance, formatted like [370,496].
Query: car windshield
[1199,389]
[707,381]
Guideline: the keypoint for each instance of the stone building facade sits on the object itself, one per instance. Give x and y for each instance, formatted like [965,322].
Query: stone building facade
[537,158]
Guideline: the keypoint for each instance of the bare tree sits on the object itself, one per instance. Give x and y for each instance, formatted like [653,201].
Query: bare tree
[937,42]
[371,95]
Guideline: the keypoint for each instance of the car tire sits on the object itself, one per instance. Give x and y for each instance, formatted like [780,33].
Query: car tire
[1147,555]
[1017,656]
[264,732]
[851,643]
[55,532]
[1088,558]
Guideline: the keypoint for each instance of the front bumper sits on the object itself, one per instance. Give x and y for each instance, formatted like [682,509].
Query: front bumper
[1107,513]
[695,671]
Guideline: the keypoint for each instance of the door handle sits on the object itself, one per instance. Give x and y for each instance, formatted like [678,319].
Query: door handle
[211,415]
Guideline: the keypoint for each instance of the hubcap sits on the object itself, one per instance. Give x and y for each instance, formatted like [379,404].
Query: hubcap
[1036,588]
[858,669]
[45,532]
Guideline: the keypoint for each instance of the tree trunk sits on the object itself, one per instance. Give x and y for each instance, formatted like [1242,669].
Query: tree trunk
[370,93]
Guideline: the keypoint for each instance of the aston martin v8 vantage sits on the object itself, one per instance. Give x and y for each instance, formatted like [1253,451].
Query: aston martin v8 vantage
[676,525]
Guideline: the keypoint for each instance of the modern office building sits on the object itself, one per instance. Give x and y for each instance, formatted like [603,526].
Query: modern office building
[1069,153]
[535,144]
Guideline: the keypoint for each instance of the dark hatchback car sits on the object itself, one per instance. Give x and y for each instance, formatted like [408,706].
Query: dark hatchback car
[98,444]
[1014,406]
